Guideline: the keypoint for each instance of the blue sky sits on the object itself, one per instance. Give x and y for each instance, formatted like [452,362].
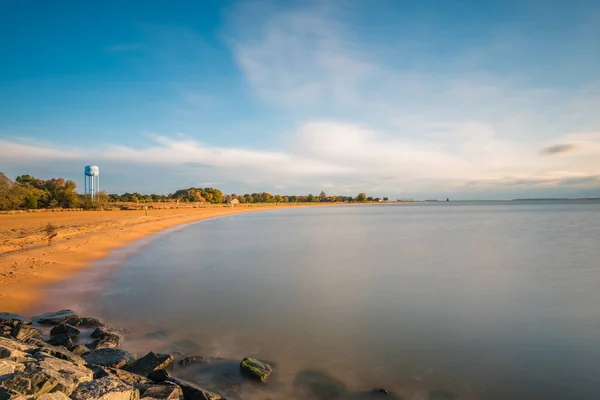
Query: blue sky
[422,99]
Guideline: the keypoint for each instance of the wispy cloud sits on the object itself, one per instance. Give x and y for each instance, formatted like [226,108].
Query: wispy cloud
[559,148]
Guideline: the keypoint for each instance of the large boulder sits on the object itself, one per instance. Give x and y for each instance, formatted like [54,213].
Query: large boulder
[256,369]
[56,318]
[7,318]
[63,328]
[150,362]
[107,341]
[166,391]
[24,331]
[64,340]
[107,388]
[44,375]
[9,367]
[129,377]
[55,351]
[159,375]
[13,350]
[193,392]
[115,358]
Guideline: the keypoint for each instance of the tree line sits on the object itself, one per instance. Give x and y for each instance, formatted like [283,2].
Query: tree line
[28,192]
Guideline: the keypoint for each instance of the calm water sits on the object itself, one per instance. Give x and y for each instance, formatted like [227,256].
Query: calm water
[481,300]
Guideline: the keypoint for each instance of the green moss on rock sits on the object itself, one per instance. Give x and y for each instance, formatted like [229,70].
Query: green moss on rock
[256,369]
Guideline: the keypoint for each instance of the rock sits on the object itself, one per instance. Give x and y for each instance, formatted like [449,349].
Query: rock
[85,322]
[69,375]
[256,369]
[115,358]
[13,350]
[55,351]
[53,396]
[10,318]
[315,384]
[33,383]
[193,392]
[109,340]
[65,328]
[63,340]
[159,375]
[57,317]
[46,374]
[127,376]
[150,362]
[23,332]
[166,391]
[9,367]
[100,332]
[107,388]
[79,350]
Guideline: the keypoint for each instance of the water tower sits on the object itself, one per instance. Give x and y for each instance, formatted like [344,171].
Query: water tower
[92,181]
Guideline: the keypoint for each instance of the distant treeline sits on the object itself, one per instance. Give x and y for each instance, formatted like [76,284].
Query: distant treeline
[27,192]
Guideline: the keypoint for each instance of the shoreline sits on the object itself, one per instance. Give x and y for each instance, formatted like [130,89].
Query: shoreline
[29,262]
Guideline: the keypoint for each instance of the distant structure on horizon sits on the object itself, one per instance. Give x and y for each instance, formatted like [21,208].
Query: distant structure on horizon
[92,181]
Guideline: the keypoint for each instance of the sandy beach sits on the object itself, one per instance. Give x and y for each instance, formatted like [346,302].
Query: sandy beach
[28,260]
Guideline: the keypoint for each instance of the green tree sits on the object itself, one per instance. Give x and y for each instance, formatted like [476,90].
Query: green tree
[361,198]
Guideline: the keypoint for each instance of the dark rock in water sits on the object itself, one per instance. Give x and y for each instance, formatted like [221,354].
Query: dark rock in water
[150,362]
[62,339]
[85,322]
[79,350]
[65,328]
[23,332]
[193,392]
[108,340]
[166,391]
[256,369]
[159,375]
[57,317]
[441,395]
[10,318]
[115,358]
[104,389]
[99,332]
[315,384]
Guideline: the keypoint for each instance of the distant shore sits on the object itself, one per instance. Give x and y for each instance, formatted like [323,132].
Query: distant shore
[40,248]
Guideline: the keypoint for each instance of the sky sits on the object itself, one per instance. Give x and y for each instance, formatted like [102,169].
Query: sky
[405,99]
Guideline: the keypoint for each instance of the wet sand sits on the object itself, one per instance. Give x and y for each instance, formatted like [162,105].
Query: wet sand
[29,261]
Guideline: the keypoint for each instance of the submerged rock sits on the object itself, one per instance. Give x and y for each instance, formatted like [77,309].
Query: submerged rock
[150,362]
[115,358]
[202,360]
[107,388]
[373,394]
[193,392]
[56,318]
[315,384]
[256,369]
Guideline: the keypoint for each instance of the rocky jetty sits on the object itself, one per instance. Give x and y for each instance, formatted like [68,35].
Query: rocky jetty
[48,359]
[58,367]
